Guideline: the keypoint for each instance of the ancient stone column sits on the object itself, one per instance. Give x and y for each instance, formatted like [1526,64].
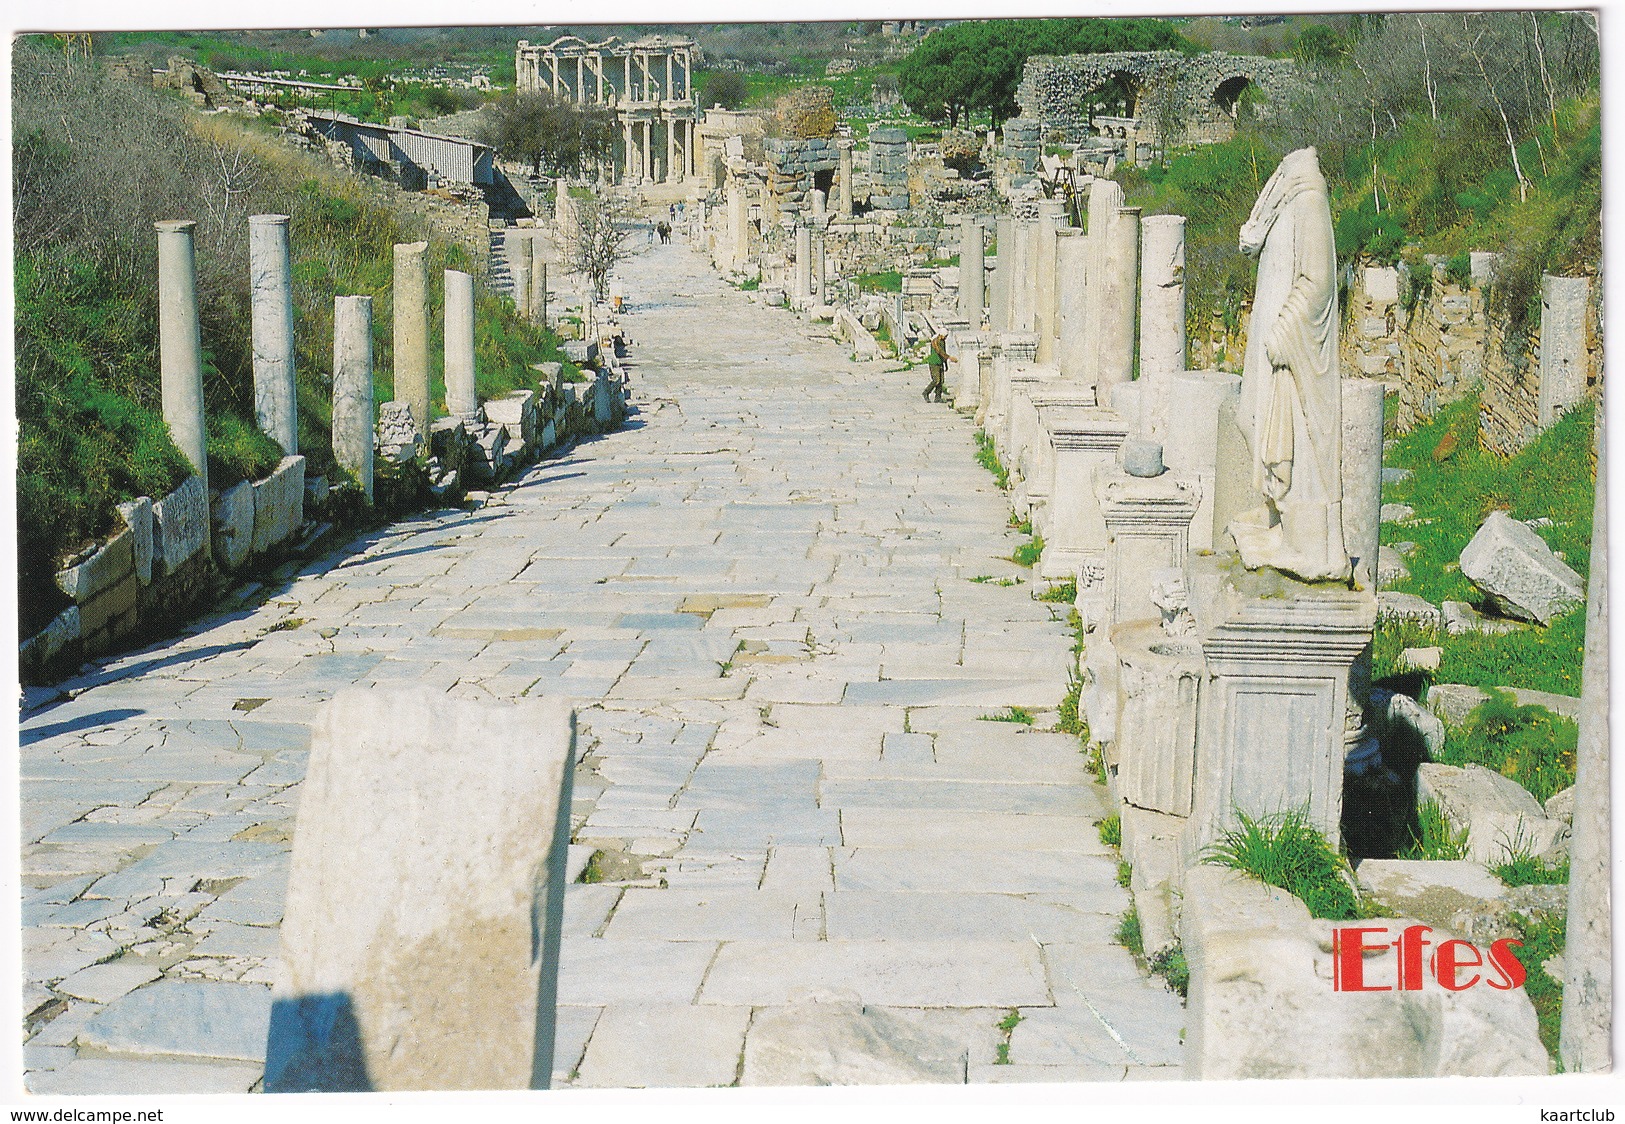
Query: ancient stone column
[270,269]
[1023,277]
[411,328]
[462,399]
[1117,309]
[844,177]
[802,288]
[1192,440]
[352,388]
[1003,257]
[425,904]
[1563,362]
[1588,980]
[818,268]
[1071,302]
[818,203]
[1045,230]
[1362,475]
[1162,310]
[970,271]
[538,278]
[1105,197]
[180,345]
[519,269]
[738,225]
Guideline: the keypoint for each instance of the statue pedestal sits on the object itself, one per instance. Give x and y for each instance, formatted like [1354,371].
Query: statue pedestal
[1084,438]
[1270,736]
[1052,401]
[1148,522]
[1025,434]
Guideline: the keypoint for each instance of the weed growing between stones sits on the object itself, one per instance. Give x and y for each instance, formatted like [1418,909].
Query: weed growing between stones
[749,285]
[1169,963]
[1542,940]
[593,872]
[1433,837]
[1028,553]
[1018,714]
[988,457]
[986,579]
[1125,873]
[1007,1025]
[1111,830]
[1128,932]
[1529,744]
[1063,594]
[1524,869]
[1287,851]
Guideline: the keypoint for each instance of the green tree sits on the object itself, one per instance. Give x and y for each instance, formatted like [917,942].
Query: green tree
[547,132]
[975,67]
[1316,45]
[725,88]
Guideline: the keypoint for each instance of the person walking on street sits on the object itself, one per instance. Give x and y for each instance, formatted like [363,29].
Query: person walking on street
[937,360]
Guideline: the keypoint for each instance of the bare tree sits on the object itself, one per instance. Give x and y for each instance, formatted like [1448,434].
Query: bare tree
[595,242]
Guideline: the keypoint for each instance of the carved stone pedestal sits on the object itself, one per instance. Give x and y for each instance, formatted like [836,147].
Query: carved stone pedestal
[1084,438]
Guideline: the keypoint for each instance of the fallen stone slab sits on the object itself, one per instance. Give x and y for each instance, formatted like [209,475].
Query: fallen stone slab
[1391,566]
[1460,617]
[1500,815]
[185,1018]
[1262,1002]
[1395,512]
[1511,563]
[1454,701]
[1442,893]
[425,896]
[1420,659]
[1407,607]
[828,1037]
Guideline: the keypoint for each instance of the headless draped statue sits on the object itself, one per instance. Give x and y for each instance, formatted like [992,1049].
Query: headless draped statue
[1291,401]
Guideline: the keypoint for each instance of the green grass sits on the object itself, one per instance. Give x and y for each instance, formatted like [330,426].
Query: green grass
[1029,552]
[1528,744]
[1125,873]
[988,457]
[1435,839]
[749,285]
[1064,593]
[1021,716]
[1111,830]
[1524,869]
[887,281]
[1286,851]
[1543,940]
[1128,932]
[1169,963]
[1550,477]
[1007,1025]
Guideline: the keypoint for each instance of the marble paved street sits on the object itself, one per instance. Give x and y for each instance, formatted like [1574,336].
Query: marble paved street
[760,596]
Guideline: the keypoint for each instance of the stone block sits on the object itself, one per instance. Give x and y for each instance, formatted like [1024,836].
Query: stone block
[1420,659]
[233,519]
[1396,512]
[1454,701]
[1439,892]
[1500,815]
[425,896]
[137,516]
[1460,617]
[1262,1002]
[1391,566]
[515,413]
[1511,563]
[108,606]
[279,504]
[182,525]
[45,645]
[828,1037]
[113,561]
[665,1046]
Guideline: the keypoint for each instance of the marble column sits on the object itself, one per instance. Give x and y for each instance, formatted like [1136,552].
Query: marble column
[1117,312]
[1162,312]
[1192,441]
[970,271]
[998,301]
[180,344]
[1588,981]
[671,150]
[1051,217]
[802,288]
[644,168]
[352,388]
[1105,197]
[519,270]
[411,331]
[1071,303]
[538,278]
[1362,476]
[819,268]
[270,269]
[844,148]
[462,399]
[1023,277]
[1563,361]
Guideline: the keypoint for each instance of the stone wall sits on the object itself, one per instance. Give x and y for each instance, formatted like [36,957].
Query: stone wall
[792,167]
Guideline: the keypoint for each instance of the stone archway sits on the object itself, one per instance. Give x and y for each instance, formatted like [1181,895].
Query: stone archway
[1227,94]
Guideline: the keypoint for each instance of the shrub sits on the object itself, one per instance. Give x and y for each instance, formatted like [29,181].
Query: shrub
[1286,851]
[1169,963]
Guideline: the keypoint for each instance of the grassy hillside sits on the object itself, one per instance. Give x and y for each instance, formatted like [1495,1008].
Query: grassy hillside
[90,427]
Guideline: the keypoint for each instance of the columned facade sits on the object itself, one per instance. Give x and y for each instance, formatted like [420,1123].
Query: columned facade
[647,84]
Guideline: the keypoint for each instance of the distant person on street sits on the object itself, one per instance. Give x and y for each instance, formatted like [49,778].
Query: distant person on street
[937,360]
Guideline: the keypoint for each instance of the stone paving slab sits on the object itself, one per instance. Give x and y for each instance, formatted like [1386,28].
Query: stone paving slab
[907,974]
